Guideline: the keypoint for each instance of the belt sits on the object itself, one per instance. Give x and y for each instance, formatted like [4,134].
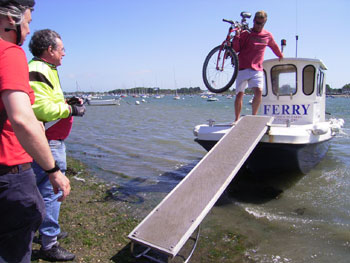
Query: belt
[14,169]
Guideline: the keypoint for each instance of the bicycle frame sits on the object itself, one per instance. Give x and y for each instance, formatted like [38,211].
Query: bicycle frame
[218,75]
[228,42]
[225,43]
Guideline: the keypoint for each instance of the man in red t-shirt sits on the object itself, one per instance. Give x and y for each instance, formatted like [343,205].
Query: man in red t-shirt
[21,139]
[250,47]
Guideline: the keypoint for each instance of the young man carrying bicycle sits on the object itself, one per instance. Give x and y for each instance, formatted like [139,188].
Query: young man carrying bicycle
[250,47]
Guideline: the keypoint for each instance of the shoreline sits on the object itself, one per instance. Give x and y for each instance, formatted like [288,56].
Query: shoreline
[98,226]
[338,95]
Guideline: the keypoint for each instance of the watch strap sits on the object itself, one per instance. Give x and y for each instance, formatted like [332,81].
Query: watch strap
[55,169]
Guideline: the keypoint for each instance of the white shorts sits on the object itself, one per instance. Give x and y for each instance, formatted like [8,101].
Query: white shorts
[249,78]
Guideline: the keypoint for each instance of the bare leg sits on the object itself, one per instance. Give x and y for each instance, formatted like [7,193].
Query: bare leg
[256,100]
[238,104]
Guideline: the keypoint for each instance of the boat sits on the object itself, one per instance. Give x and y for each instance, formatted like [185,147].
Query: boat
[102,102]
[176,97]
[207,94]
[212,99]
[299,135]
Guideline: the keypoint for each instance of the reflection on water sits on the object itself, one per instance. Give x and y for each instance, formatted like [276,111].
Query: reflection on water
[144,150]
[260,188]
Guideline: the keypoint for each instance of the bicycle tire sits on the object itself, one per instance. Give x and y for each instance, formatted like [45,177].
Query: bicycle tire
[217,80]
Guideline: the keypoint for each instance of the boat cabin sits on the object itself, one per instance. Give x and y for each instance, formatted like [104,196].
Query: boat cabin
[294,91]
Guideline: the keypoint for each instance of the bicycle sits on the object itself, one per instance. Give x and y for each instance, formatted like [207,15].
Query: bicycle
[221,65]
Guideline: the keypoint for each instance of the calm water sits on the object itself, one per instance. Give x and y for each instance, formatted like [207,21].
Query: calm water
[145,150]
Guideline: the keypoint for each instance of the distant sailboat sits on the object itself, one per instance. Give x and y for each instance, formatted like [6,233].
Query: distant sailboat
[176,97]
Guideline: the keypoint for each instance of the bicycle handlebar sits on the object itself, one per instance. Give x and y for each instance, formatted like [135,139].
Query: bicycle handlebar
[243,25]
[228,21]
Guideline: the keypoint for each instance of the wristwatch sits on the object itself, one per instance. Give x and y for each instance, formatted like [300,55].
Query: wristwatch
[55,169]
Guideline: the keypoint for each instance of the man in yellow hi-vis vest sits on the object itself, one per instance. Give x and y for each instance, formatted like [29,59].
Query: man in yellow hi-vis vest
[51,108]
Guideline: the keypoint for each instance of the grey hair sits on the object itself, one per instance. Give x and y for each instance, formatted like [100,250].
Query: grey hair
[42,40]
[15,11]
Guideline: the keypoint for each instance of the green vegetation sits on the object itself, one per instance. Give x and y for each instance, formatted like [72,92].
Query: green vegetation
[189,91]
[98,227]
[345,90]
[144,90]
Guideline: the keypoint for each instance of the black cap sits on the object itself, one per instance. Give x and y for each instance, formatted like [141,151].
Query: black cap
[29,3]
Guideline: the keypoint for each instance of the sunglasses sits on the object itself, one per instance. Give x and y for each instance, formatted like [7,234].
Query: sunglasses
[259,23]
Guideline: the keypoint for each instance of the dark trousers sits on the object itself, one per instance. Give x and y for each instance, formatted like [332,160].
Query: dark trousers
[22,211]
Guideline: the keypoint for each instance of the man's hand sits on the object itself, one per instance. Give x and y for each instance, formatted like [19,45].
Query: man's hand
[78,110]
[74,101]
[60,183]
[238,32]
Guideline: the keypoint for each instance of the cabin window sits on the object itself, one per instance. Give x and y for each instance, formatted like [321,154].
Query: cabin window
[284,80]
[264,91]
[320,79]
[309,79]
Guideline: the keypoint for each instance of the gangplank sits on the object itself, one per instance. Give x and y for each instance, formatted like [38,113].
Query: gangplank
[168,227]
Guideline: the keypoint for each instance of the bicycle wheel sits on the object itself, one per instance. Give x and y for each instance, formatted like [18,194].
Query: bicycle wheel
[220,69]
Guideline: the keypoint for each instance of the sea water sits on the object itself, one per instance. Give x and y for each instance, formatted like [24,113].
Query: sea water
[144,151]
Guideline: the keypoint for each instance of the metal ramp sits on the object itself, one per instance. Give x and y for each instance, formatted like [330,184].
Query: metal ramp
[167,228]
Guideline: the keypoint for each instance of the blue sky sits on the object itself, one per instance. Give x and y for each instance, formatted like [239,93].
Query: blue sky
[112,44]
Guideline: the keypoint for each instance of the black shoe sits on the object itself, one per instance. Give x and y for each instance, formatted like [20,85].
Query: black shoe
[61,235]
[56,253]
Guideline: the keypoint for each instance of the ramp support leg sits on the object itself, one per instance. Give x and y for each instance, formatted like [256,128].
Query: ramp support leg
[169,258]
[195,239]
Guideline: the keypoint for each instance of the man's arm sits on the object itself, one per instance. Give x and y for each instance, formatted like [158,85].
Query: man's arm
[240,40]
[274,47]
[48,107]
[236,42]
[32,137]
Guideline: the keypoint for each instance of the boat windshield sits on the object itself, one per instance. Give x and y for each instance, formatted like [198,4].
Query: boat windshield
[284,80]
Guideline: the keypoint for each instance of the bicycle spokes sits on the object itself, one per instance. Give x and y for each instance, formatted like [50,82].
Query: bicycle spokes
[220,69]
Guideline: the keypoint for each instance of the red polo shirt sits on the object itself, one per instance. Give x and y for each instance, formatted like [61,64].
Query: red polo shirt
[251,48]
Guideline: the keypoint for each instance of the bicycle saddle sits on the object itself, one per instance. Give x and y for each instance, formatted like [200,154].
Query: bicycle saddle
[246,14]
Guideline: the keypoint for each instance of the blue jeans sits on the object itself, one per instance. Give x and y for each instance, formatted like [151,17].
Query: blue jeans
[50,226]
[22,211]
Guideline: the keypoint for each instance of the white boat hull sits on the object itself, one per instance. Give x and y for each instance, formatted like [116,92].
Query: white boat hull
[282,149]
[102,102]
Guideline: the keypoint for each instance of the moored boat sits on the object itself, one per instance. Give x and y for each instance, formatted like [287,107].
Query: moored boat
[101,102]
[299,135]
[212,98]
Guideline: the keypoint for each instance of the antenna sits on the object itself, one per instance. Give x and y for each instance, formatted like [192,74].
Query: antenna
[296,28]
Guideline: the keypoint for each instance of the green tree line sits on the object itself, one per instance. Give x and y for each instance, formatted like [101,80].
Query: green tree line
[344,90]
